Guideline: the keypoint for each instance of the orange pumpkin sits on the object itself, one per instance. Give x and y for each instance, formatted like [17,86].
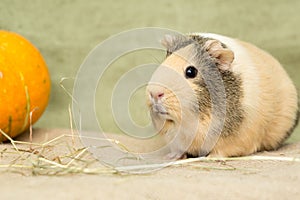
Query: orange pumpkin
[24,84]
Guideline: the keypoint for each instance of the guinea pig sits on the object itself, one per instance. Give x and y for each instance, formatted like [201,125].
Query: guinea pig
[260,100]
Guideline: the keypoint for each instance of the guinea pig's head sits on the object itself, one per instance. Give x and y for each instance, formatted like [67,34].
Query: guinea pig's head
[177,90]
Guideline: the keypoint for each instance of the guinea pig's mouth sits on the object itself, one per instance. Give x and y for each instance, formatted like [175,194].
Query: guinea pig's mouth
[160,109]
[163,113]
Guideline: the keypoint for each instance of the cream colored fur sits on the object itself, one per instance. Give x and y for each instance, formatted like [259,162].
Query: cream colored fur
[269,101]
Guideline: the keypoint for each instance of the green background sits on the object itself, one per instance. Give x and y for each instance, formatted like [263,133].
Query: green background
[66,30]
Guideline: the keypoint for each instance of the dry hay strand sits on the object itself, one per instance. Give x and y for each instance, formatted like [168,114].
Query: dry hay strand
[60,156]
[55,157]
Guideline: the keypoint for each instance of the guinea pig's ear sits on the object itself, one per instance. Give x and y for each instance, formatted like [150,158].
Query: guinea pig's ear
[223,56]
[168,41]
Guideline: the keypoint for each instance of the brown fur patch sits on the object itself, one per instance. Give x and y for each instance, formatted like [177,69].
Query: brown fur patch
[234,94]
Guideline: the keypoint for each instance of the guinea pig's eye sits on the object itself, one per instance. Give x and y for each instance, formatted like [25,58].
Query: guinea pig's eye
[191,72]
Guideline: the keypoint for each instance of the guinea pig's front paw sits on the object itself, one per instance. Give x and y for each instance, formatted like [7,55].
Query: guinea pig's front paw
[175,156]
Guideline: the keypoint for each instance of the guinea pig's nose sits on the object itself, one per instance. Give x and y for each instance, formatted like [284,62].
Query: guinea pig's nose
[156,92]
[157,95]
